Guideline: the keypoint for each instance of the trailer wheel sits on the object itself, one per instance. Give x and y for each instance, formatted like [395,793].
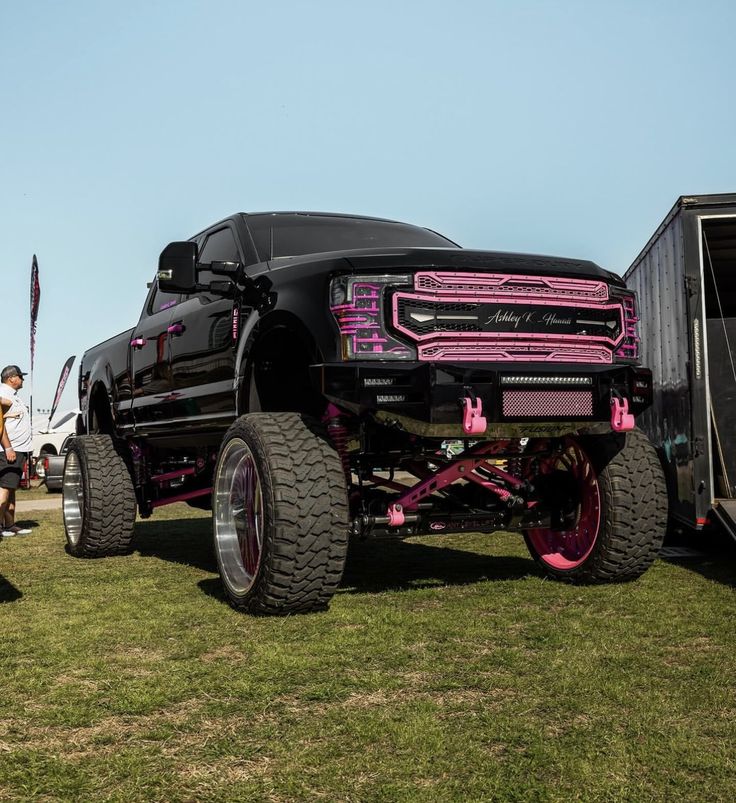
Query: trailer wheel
[612,510]
[280,515]
[98,500]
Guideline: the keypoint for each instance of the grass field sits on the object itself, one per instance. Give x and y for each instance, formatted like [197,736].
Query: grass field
[36,491]
[445,669]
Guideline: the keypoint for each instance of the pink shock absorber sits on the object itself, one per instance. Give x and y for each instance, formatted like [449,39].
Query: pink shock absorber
[338,433]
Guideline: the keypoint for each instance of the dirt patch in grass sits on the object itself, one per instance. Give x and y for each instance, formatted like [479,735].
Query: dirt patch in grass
[226,771]
[225,653]
[104,736]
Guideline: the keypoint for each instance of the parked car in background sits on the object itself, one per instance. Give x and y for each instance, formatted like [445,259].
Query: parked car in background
[48,438]
[53,466]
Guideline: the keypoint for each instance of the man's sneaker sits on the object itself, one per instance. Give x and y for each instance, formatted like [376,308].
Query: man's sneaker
[16,530]
[7,533]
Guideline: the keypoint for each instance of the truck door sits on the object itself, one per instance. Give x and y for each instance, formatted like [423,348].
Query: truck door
[150,360]
[202,344]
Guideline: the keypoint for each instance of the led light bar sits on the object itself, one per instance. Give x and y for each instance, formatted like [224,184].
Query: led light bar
[546,380]
[373,382]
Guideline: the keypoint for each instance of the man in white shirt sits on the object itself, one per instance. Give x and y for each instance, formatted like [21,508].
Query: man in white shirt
[18,428]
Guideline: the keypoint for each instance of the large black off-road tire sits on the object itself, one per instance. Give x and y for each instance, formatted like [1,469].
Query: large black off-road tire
[280,515]
[98,498]
[613,510]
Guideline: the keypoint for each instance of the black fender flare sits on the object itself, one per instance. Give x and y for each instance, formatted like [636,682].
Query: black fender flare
[257,333]
[101,390]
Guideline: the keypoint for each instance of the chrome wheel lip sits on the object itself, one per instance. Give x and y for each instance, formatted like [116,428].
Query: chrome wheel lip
[238,517]
[72,489]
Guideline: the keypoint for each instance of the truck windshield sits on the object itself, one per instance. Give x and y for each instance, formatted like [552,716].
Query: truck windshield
[282,235]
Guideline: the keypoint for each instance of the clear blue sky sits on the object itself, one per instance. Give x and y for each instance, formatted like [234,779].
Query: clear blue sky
[561,127]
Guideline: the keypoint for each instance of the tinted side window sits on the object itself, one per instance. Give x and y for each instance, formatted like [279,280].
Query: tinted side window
[220,246]
[161,300]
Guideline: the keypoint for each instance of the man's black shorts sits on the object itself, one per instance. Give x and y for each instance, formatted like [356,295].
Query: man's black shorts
[11,473]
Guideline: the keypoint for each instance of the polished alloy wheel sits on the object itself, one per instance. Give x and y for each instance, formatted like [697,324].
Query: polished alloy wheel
[238,517]
[72,498]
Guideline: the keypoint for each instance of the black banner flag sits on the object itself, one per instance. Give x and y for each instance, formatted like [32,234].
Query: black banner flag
[35,301]
[65,371]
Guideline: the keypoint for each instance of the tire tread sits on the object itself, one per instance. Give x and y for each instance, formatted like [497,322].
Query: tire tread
[634,510]
[109,504]
[306,525]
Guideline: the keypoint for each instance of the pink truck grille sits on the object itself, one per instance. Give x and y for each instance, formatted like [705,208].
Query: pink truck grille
[481,285]
[482,317]
[544,403]
[503,351]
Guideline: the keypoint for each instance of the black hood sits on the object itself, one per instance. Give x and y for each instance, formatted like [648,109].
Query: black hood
[406,259]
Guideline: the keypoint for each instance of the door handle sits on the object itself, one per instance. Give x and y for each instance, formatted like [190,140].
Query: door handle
[175,329]
[138,342]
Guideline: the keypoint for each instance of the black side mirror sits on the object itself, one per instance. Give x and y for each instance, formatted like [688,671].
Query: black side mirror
[177,268]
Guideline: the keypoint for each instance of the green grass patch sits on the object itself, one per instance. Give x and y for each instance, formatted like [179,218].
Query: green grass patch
[446,669]
[36,491]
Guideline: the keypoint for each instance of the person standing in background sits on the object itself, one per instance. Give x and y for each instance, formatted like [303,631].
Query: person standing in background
[16,445]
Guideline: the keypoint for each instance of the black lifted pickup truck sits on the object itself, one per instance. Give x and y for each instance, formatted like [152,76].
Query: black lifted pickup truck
[316,377]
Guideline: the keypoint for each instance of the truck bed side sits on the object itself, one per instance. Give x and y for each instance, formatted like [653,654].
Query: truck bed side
[104,380]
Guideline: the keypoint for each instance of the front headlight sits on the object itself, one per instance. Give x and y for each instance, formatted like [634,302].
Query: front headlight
[357,302]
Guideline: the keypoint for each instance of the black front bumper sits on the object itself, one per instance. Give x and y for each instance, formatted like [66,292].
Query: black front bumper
[433,393]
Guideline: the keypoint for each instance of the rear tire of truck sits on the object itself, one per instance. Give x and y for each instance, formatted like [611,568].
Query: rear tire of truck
[613,510]
[280,515]
[99,503]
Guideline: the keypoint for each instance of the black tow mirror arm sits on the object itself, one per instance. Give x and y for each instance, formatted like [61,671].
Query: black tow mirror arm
[256,293]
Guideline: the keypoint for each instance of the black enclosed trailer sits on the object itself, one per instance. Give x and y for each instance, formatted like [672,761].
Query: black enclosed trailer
[685,278]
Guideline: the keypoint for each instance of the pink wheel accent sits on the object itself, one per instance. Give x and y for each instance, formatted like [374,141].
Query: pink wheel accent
[567,549]
[245,499]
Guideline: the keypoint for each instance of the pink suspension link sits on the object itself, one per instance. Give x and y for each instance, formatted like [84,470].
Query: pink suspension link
[459,469]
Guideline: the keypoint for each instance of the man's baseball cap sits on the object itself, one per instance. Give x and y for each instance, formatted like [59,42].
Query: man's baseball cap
[10,371]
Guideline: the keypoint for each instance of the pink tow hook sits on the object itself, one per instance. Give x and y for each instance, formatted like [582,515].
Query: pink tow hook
[474,422]
[621,419]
